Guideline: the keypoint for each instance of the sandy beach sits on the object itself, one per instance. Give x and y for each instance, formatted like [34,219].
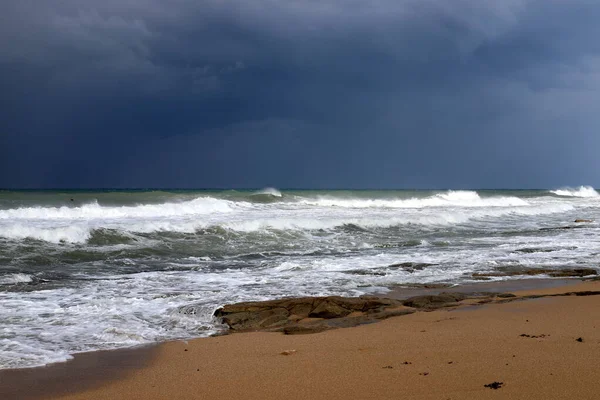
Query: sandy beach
[545,348]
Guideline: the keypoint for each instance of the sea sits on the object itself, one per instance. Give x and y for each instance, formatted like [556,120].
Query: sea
[94,270]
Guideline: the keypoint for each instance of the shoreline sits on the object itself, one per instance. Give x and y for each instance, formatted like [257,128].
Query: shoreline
[90,374]
[83,372]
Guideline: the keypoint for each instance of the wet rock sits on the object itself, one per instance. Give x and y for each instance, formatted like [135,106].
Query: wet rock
[444,299]
[257,319]
[555,273]
[301,309]
[573,272]
[424,285]
[408,243]
[593,278]
[329,309]
[393,312]
[367,272]
[584,293]
[579,340]
[410,266]
[383,271]
[289,315]
[505,295]
[457,296]
[557,228]
[535,250]
[386,246]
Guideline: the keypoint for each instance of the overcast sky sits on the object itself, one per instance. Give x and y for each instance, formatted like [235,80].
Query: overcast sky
[305,94]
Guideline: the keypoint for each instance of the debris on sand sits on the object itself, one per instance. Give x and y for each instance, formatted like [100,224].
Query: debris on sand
[494,385]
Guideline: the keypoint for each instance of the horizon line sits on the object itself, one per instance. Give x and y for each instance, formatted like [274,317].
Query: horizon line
[91,189]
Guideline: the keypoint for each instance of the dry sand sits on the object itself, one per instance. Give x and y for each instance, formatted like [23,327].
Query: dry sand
[443,354]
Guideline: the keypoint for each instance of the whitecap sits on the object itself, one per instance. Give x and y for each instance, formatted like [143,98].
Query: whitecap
[268,191]
[582,191]
[454,198]
[12,279]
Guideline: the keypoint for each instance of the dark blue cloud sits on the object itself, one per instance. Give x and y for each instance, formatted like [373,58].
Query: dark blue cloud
[142,93]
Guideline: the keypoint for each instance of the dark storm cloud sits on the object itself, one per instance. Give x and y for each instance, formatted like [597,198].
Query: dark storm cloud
[385,93]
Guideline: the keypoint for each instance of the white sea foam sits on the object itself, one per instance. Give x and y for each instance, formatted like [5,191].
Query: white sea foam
[383,220]
[582,191]
[74,233]
[199,206]
[269,191]
[11,279]
[459,198]
[75,224]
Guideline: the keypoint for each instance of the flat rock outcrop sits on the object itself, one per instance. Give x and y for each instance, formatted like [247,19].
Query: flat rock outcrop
[383,271]
[555,273]
[316,314]
[309,314]
[410,266]
[435,301]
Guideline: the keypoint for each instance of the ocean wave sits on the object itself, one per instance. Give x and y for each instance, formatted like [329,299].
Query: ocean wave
[210,207]
[12,279]
[199,206]
[582,191]
[53,234]
[266,195]
[269,192]
[452,198]
[111,232]
[107,237]
[110,225]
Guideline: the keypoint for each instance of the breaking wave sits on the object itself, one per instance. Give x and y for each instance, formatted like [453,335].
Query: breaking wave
[268,192]
[102,225]
[12,279]
[582,191]
[266,195]
[52,234]
[452,198]
[199,206]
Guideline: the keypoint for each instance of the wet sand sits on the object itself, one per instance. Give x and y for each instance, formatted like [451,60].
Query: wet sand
[84,371]
[529,346]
